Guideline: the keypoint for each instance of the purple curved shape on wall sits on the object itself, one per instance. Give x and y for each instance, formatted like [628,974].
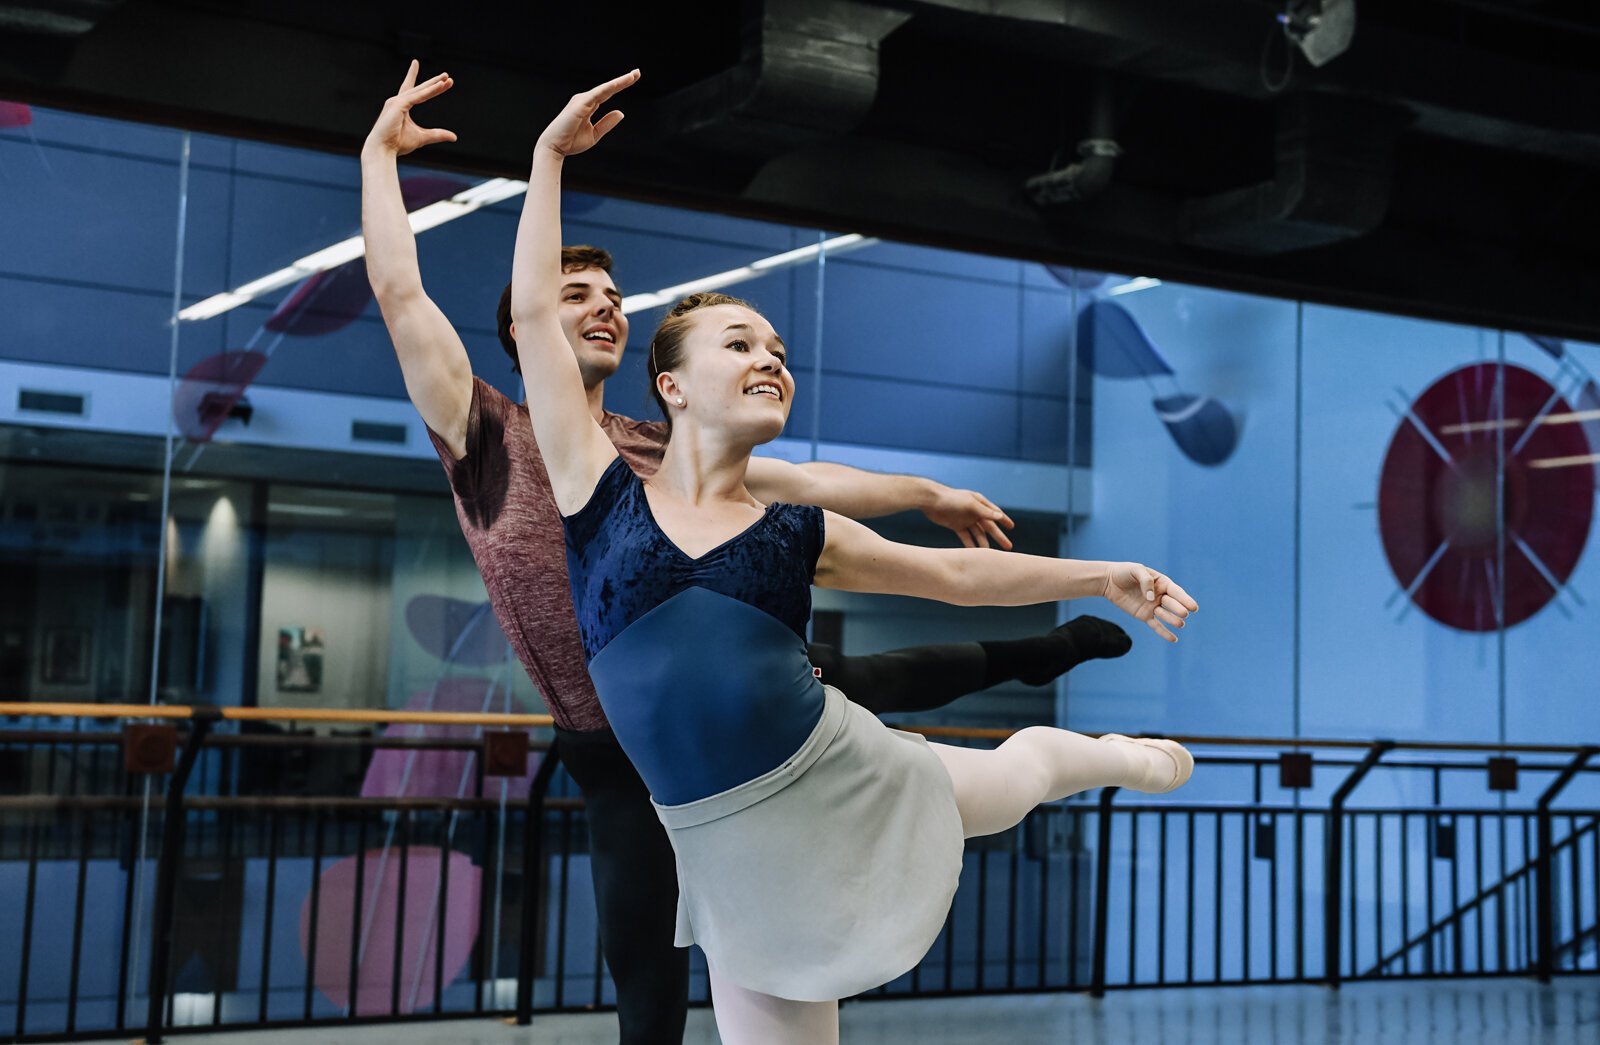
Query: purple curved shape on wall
[323,303]
[210,389]
[456,889]
[409,773]
[419,190]
[331,300]
[1205,431]
[15,114]
[1112,344]
[457,632]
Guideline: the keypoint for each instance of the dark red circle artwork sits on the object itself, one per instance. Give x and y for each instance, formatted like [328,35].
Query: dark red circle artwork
[1443,488]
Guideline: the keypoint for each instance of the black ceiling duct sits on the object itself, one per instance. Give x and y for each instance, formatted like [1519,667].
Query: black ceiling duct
[808,70]
[1333,170]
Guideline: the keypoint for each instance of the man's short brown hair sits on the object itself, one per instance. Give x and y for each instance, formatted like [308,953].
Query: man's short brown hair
[573,259]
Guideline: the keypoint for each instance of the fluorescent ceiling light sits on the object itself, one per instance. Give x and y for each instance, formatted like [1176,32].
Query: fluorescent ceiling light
[1134,285]
[789,258]
[485,194]
[432,216]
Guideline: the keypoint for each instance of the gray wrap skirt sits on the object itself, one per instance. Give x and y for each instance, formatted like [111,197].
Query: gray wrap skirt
[829,875]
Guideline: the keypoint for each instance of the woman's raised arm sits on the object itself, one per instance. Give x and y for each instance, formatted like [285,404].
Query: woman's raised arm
[856,559]
[575,449]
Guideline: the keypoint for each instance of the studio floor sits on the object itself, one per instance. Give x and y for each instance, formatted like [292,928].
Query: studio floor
[1460,1012]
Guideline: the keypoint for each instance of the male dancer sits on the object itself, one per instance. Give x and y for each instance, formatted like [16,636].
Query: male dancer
[509,517]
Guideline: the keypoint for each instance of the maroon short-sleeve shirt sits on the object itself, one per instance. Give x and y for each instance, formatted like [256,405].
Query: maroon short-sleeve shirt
[509,517]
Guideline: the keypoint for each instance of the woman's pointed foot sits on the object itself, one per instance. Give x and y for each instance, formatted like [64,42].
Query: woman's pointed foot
[1159,775]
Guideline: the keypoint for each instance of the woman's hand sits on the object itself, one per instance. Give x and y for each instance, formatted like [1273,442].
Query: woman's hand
[1149,596]
[576,130]
[396,132]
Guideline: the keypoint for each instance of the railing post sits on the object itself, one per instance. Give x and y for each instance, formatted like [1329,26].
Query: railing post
[532,872]
[1544,892]
[173,829]
[1102,896]
[1333,863]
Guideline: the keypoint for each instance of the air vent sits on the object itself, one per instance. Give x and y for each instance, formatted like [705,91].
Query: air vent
[50,402]
[377,432]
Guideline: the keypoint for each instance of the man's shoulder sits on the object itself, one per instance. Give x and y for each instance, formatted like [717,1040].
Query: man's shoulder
[490,397]
[621,425]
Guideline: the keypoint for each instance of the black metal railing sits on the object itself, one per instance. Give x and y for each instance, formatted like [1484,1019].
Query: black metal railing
[146,903]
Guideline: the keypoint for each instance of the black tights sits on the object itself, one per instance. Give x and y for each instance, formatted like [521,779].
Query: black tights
[635,889]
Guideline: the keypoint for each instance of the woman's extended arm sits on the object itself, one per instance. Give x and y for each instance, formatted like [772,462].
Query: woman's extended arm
[575,449]
[856,559]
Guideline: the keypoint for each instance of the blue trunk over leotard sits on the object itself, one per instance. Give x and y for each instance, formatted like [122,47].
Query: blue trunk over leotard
[700,663]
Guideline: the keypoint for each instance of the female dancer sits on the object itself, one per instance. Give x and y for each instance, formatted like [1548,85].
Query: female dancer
[817,850]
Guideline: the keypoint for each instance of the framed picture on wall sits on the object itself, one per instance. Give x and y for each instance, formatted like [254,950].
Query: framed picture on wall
[299,660]
[66,656]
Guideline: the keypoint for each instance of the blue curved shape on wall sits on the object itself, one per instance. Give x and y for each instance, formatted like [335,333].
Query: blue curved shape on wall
[1206,431]
[1553,345]
[1112,344]
[1078,279]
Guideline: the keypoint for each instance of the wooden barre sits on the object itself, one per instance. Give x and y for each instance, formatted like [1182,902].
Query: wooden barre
[469,718]
[362,715]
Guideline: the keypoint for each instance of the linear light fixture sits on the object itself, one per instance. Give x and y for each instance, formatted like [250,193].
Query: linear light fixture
[432,216]
[789,258]
[1134,285]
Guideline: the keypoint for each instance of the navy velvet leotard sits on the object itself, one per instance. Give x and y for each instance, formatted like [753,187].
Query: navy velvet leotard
[700,663]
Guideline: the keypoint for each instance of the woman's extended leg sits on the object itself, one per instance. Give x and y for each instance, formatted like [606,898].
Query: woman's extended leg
[996,789]
[746,1017]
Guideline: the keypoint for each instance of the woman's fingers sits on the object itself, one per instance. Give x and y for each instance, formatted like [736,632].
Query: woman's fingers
[1167,617]
[604,124]
[411,77]
[1173,606]
[431,88]
[1175,590]
[1160,629]
[966,539]
[599,94]
[437,135]
[1146,580]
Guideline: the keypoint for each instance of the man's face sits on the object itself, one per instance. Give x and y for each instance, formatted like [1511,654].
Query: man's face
[591,316]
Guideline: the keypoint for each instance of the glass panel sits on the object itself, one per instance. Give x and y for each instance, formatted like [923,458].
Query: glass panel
[93,215]
[1552,565]
[86,288]
[1398,528]
[1194,464]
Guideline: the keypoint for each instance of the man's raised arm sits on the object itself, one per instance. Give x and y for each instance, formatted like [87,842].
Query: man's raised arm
[433,360]
[866,495]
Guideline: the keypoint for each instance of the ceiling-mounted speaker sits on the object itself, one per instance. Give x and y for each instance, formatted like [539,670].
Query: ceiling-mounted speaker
[1322,29]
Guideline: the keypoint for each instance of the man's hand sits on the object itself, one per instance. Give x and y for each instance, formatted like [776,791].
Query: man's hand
[1149,596]
[576,130]
[973,517]
[396,133]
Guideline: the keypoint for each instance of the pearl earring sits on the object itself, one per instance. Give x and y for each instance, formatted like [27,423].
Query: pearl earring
[680,400]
